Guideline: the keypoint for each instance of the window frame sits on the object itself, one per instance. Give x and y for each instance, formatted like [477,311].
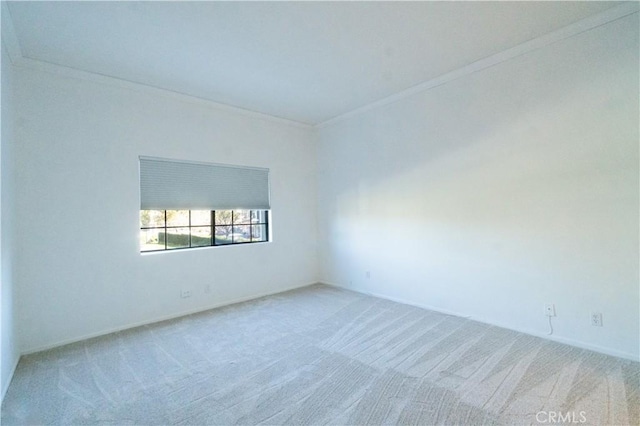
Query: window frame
[212,227]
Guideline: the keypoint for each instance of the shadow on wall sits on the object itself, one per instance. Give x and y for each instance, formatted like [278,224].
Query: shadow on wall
[522,176]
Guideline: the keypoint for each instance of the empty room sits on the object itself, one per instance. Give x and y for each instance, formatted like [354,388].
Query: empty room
[336,213]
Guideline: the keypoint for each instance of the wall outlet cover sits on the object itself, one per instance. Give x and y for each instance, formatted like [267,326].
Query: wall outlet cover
[596,319]
[550,310]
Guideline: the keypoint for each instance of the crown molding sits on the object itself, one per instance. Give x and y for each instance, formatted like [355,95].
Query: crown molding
[75,73]
[571,30]
[14,51]
[12,44]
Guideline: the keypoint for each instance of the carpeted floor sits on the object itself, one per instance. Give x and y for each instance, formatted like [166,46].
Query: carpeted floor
[321,355]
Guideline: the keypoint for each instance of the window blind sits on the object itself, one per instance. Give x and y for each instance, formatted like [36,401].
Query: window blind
[186,185]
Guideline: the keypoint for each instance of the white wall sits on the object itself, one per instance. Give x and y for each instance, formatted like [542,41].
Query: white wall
[9,349]
[78,265]
[496,193]
[488,196]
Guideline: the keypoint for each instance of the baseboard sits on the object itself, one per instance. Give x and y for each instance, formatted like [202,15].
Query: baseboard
[559,339]
[160,319]
[5,388]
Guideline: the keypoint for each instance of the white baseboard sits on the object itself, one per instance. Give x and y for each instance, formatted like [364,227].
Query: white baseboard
[559,339]
[160,319]
[5,388]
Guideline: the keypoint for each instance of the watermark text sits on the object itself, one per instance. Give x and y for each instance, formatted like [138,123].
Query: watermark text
[559,417]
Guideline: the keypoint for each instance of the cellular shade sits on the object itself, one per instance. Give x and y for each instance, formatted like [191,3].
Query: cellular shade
[186,185]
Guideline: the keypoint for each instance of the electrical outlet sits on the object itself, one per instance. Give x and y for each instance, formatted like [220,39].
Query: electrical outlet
[367,274]
[207,288]
[550,310]
[596,319]
[185,293]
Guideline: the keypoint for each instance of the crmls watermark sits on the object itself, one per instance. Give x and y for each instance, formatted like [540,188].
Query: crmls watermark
[558,417]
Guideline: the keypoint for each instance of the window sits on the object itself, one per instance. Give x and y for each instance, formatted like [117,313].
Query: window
[179,229]
[186,204]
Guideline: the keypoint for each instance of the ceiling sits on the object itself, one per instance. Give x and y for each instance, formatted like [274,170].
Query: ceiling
[303,61]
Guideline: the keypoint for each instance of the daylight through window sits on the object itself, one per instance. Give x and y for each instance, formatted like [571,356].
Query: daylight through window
[179,229]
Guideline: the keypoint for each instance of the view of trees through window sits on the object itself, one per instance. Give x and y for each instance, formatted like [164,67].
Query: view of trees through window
[176,229]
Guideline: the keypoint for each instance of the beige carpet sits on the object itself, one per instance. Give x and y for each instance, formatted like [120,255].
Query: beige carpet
[321,355]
